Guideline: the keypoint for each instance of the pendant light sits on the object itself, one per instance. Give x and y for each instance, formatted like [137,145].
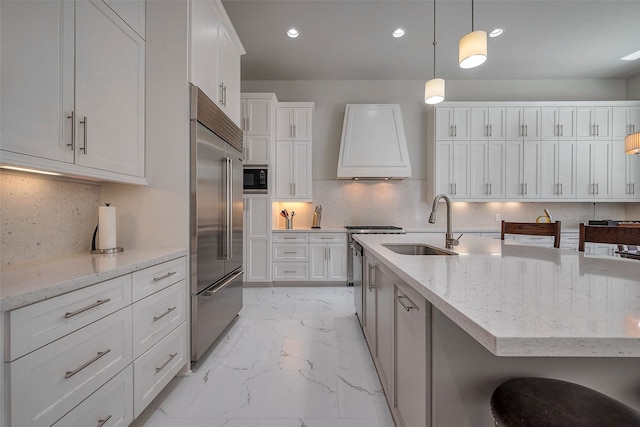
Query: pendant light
[472,50]
[434,88]
[632,143]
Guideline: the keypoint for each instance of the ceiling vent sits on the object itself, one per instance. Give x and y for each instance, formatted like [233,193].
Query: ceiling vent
[373,143]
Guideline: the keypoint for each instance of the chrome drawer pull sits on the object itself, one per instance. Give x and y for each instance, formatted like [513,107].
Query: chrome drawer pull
[69,374]
[406,307]
[289,271]
[156,318]
[103,421]
[169,274]
[290,252]
[82,310]
[167,362]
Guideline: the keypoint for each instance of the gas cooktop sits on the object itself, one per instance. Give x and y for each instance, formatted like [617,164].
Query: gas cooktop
[374,229]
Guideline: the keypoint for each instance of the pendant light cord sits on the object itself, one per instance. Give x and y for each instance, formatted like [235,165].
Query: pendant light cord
[472,26]
[434,39]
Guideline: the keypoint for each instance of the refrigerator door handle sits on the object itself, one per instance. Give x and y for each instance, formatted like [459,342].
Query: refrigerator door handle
[229,208]
[217,288]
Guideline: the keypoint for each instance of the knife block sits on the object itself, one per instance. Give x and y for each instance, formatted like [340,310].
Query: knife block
[317,217]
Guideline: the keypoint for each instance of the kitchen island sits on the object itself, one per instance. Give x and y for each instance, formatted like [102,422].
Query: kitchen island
[492,311]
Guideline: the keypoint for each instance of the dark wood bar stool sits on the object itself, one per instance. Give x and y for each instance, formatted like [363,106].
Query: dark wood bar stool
[626,235]
[533,229]
[544,402]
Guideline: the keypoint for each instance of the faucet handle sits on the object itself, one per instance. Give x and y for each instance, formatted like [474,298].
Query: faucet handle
[456,242]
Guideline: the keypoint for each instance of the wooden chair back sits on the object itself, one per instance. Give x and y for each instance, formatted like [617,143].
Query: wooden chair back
[611,235]
[533,229]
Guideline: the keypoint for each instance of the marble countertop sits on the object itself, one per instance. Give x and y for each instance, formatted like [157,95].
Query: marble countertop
[519,300]
[28,283]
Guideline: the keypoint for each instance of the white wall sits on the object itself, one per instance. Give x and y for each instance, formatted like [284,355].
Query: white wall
[157,215]
[405,203]
[633,87]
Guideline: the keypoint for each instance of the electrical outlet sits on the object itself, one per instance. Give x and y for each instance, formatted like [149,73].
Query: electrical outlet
[498,218]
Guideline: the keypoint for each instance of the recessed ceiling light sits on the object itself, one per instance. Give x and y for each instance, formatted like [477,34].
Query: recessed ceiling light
[496,32]
[293,33]
[632,56]
[398,32]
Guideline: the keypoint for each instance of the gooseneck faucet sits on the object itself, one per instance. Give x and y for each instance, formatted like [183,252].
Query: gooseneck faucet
[450,241]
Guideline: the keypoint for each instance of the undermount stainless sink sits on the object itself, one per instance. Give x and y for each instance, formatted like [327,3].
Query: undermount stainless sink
[416,249]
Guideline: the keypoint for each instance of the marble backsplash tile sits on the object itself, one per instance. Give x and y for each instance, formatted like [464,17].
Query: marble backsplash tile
[44,217]
[404,203]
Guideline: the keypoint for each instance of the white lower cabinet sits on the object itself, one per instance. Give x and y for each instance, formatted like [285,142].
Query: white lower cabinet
[110,406]
[154,369]
[328,257]
[257,238]
[49,382]
[397,327]
[412,332]
[91,357]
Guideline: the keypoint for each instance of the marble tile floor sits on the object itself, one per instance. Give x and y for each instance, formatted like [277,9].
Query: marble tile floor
[296,356]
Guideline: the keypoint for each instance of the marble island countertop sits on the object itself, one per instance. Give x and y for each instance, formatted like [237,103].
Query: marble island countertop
[519,300]
[31,282]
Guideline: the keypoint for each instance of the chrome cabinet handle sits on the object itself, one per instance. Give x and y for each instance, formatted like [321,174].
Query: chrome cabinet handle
[597,130]
[169,274]
[521,188]
[455,188]
[451,130]
[597,188]
[455,130]
[490,188]
[221,98]
[372,269]
[402,303]
[561,130]
[289,271]
[490,130]
[526,130]
[73,131]
[103,421]
[224,95]
[69,374]
[171,356]
[289,252]
[526,188]
[89,307]
[169,310]
[84,122]
[560,188]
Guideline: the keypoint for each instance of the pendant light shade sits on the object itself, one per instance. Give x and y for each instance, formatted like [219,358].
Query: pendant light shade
[632,143]
[434,91]
[434,88]
[473,49]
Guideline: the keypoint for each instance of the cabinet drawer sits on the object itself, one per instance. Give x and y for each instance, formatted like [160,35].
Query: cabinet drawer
[36,325]
[328,237]
[110,406]
[47,383]
[154,369]
[156,315]
[290,252]
[290,271]
[153,279]
[290,237]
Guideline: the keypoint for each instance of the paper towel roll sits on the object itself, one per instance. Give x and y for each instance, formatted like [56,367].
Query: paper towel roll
[106,227]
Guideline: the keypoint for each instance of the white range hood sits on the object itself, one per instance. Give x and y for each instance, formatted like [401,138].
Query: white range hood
[373,143]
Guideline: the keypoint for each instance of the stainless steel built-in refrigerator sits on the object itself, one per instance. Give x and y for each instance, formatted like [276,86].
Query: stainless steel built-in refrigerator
[216,222]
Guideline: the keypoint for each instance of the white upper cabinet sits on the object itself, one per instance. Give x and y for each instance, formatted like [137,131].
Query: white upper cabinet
[558,123]
[488,123]
[625,173]
[557,169]
[132,12]
[81,110]
[453,123]
[215,56]
[594,123]
[626,120]
[523,123]
[487,169]
[258,124]
[593,169]
[522,166]
[293,123]
[452,172]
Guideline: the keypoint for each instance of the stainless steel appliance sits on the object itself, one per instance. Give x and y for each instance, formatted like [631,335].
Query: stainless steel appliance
[256,179]
[216,221]
[354,259]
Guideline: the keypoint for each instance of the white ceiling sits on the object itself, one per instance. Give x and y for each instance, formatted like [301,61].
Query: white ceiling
[351,39]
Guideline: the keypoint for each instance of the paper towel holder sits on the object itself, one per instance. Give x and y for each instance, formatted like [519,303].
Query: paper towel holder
[95,250]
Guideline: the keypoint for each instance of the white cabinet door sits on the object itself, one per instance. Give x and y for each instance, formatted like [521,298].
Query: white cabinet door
[302,124]
[558,123]
[566,169]
[132,12]
[487,123]
[453,123]
[487,169]
[625,173]
[531,169]
[593,160]
[337,262]
[523,123]
[110,96]
[228,76]
[257,149]
[284,124]
[412,333]
[256,114]
[257,263]
[302,170]
[293,123]
[369,302]
[452,171]
[594,123]
[284,169]
[36,100]
[204,48]
[318,261]
[444,168]
[514,181]
[626,120]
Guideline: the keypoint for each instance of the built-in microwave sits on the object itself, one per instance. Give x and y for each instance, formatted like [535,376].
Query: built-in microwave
[256,179]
